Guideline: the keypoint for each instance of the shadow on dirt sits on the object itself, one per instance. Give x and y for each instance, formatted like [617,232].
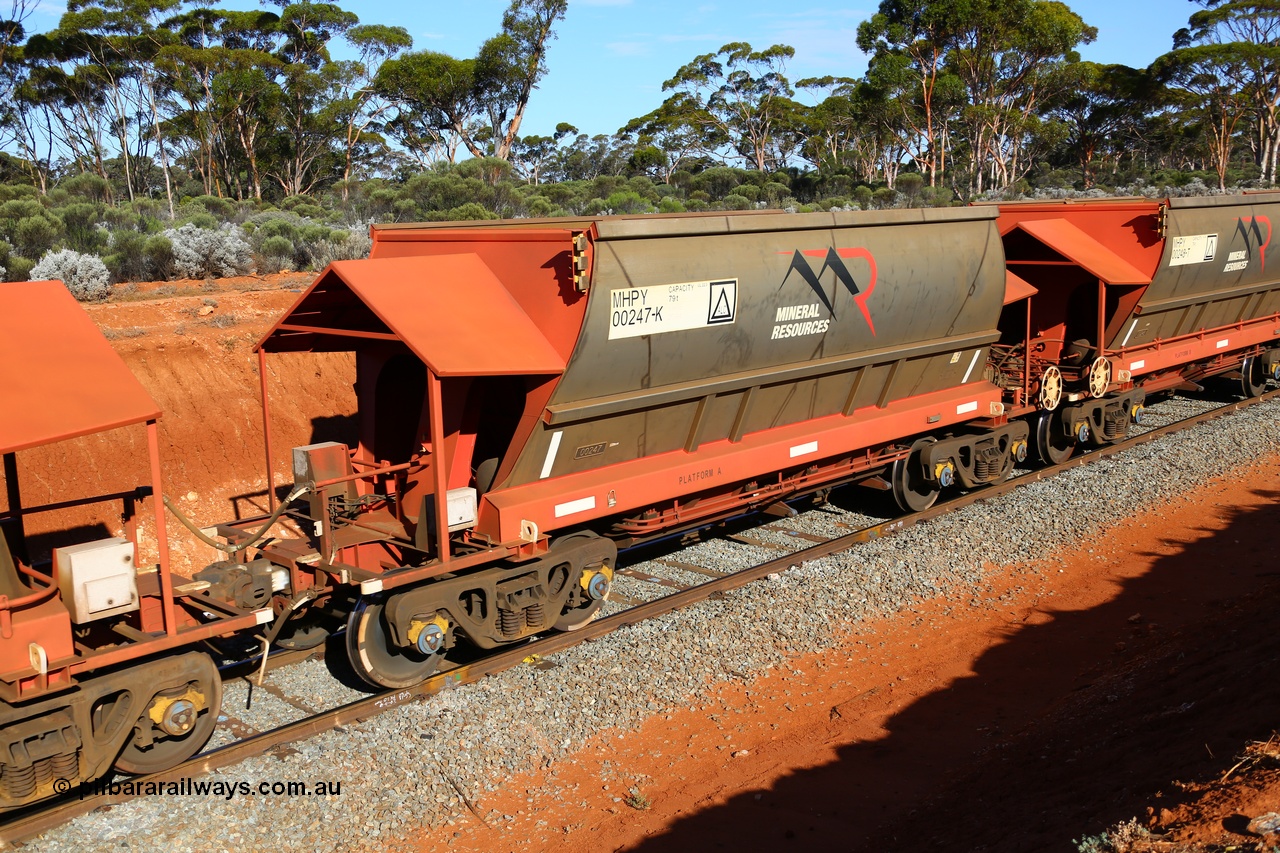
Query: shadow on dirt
[1066,727]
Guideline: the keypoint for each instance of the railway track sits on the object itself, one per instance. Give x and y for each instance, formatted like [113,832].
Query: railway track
[674,596]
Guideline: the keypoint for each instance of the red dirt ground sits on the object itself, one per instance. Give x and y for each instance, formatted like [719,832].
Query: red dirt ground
[1111,684]
[194,354]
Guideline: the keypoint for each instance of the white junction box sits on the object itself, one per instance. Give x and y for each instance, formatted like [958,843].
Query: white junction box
[97,579]
[461,508]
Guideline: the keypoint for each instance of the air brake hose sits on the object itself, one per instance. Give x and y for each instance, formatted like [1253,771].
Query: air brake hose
[298,491]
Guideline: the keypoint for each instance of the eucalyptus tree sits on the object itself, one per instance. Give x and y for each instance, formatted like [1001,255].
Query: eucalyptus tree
[532,156]
[1242,38]
[510,65]
[437,104]
[1103,115]
[673,130]
[309,81]
[1216,82]
[740,98]
[111,45]
[360,107]
[479,103]
[853,127]
[12,33]
[18,126]
[909,41]
[1013,57]
[220,70]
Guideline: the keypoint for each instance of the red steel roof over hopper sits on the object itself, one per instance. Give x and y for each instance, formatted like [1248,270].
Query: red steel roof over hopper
[1016,287]
[61,379]
[450,310]
[1077,246]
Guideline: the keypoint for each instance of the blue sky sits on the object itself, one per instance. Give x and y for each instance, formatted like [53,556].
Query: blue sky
[611,57]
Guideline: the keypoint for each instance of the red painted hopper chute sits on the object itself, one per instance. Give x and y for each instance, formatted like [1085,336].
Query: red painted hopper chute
[450,310]
[1016,288]
[60,379]
[1083,250]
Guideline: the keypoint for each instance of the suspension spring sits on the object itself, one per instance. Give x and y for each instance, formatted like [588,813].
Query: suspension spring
[66,766]
[509,621]
[533,615]
[18,782]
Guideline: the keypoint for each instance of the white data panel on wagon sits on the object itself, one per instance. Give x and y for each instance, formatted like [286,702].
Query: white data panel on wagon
[658,308]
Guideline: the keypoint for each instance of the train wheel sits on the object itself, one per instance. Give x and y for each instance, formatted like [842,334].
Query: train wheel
[598,586]
[177,725]
[375,658]
[911,491]
[579,617]
[1052,447]
[1253,379]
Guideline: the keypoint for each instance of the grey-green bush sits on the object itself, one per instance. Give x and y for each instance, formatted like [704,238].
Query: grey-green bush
[86,276]
[351,244]
[201,253]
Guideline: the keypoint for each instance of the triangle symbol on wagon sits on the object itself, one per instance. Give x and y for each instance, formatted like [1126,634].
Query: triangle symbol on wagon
[722,310]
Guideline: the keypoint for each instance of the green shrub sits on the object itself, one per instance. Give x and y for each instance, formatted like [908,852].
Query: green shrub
[9,192]
[19,208]
[627,201]
[537,207]
[80,226]
[276,254]
[160,257]
[86,186]
[33,236]
[406,210]
[207,221]
[734,201]
[127,259]
[937,196]
[470,211]
[312,233]
[774,193]
[221,208]
[670,204]
[884,197]
[19,268]
[910,184]
[717,182]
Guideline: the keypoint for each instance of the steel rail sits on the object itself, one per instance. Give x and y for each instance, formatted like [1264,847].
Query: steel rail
[53,814]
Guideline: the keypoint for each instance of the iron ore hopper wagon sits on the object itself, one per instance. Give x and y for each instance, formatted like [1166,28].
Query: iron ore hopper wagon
[535,395]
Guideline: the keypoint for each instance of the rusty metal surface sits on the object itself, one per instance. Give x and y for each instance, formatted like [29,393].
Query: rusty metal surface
[61,379]
[450,310]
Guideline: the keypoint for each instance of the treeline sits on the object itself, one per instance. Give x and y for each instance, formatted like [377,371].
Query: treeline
[135,126]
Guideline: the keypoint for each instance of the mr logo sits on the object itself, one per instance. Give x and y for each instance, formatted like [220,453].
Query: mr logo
[834,260]
[1251,230]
